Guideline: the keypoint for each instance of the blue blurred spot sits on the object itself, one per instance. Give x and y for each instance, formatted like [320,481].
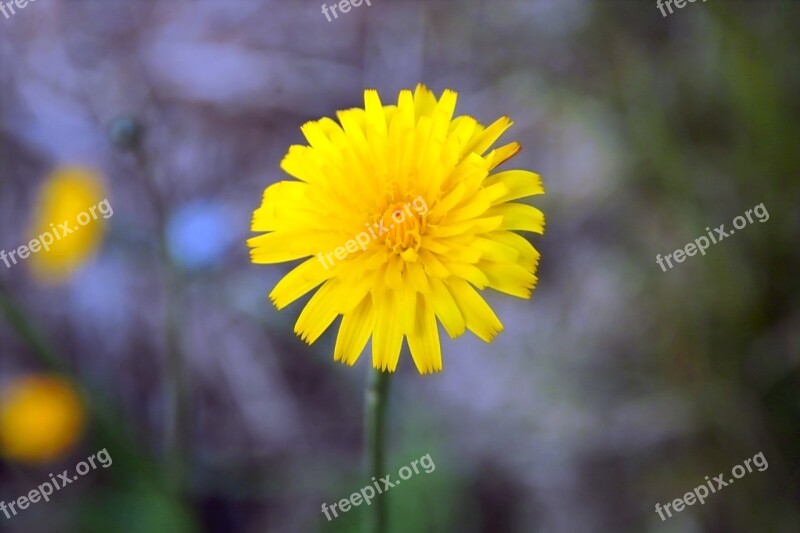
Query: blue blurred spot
[198,234]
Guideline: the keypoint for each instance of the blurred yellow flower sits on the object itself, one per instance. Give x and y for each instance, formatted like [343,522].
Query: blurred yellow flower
[402,218]
[41,418]
[62,211]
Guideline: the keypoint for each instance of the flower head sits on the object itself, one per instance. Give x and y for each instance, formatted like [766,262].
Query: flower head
[62,212]
[41,418]
[402,219]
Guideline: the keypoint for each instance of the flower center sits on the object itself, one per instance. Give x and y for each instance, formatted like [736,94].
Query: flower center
[402,226]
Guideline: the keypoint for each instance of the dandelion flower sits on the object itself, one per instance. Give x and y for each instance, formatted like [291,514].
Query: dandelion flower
[401,220]
[63,210]
[41,418]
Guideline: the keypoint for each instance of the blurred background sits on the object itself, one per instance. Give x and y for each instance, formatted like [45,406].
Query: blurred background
[618,386]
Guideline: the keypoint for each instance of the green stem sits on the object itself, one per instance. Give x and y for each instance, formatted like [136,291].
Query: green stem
[176,430]
[20,323]
[176,427]
[375,416]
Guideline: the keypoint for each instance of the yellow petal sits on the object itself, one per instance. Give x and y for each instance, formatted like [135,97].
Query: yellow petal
[424,100]
[354,332]
[433,267]
[469,227]
[528,255]
[418,278]
[468,272]
[519,184]
[319,312]
[502,154]
[479,317]
[489,136]
[423,341]
[508,278]
[387,338]
[282,246]
[446,308]
[519,217]
[376,119]
[298,282]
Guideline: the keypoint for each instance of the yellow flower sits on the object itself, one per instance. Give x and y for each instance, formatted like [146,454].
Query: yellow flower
[63,218]
[402,219]
[41,418]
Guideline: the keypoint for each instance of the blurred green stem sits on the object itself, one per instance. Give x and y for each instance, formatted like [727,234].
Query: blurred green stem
[176,392]
[375,417]
[17,319]
[176,430]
